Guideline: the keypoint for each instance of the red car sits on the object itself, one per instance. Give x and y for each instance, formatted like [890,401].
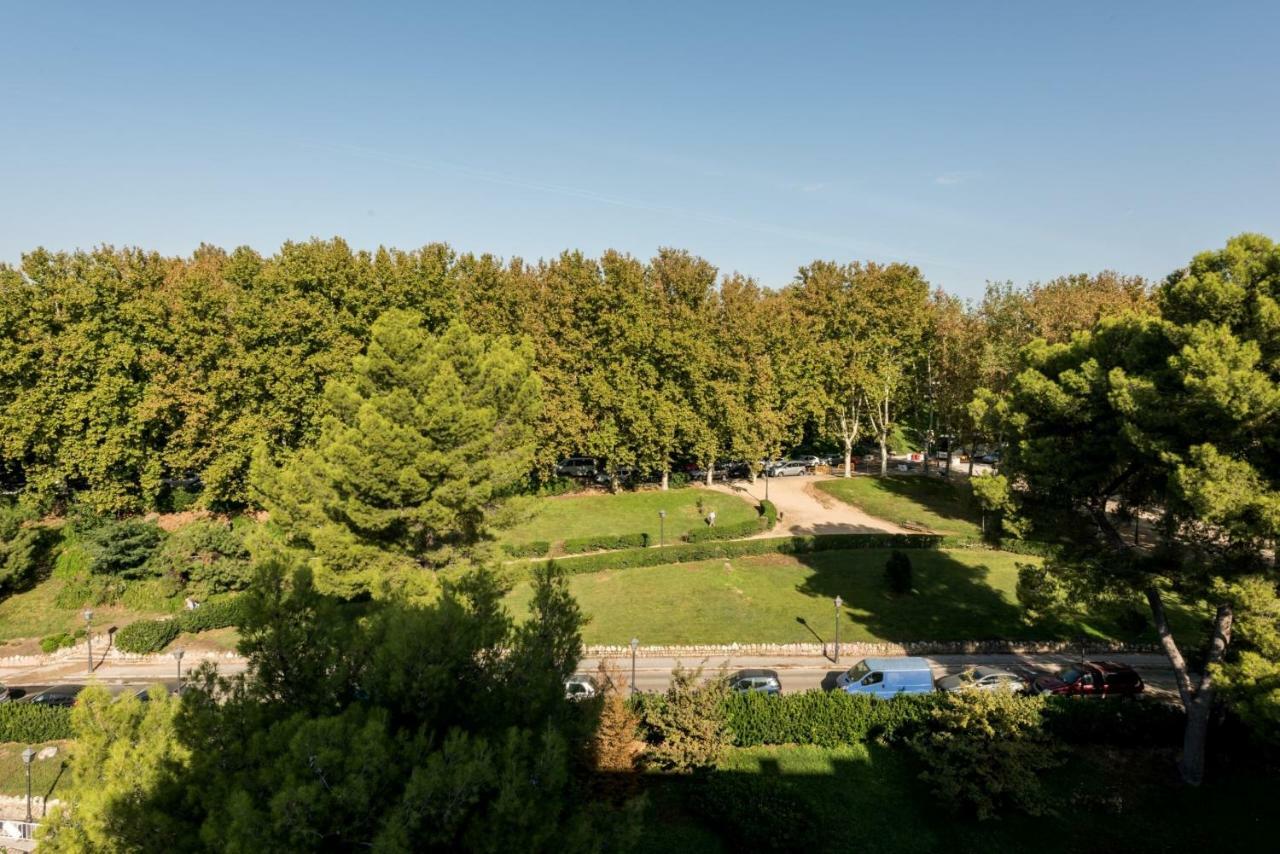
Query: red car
[1092,679]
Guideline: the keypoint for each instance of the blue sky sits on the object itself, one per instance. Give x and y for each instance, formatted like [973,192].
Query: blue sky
[977,140]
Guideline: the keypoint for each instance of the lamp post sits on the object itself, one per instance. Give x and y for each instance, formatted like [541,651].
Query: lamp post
[177,656]
[27,756]
[662,528]
[88,628]
[635,644]
[766,480]
[839,602]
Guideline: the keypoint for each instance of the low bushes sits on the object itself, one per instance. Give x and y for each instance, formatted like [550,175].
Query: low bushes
[760,813]
[690,552]
[1087,720]
[61,640]
[32,723]
[769,512]
[537,548]
[146,636]
[604,542]
[826,719]
[712,533]
[216,614]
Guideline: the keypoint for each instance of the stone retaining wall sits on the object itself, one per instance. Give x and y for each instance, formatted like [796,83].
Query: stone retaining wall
[102,651]
[874,649]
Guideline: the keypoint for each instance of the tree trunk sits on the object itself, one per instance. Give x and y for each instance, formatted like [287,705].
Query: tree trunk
[711,472]
[884,455]
[973,449]
[848,459]
[666,480]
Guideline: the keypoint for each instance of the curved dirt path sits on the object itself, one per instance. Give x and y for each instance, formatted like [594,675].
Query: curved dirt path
[806,510]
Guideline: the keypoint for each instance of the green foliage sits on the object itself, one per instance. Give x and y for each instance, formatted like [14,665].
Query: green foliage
[1040,592]
[424,437]
[824,718]
[686,727]
[711,533]
[53,643]
[146,636]
[897,573]
[122,548]
[758,813]
[206,556]
[1077,720]
[33,722]
[605,542]
[537,548]
[769,512]
[984,751]
[1251,677]
[213,614]
[691,552]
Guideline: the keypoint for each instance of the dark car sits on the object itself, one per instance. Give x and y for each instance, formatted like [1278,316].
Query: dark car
[756,681]
[1092,679]
[578,467]
[59,695]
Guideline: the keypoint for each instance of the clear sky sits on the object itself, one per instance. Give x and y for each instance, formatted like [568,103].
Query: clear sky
[977,140]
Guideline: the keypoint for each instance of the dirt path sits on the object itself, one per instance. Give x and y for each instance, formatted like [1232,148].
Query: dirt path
[806,510]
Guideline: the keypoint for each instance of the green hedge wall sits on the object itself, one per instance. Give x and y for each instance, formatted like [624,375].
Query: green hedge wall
[215,614]
[146,636]
[537,548]
[602,542]
[1087,720]
[769,512]
[689,552]
[33,724]
[824,718]
[711,533]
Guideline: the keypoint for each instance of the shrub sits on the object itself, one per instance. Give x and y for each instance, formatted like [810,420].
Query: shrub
[207,555]
[985,750]
[122,548]
[897,573]
[1132,621]
[690,552]
[33,723]
[1039,592]
[686,727]
[769,513]
[537,548]
[53,643]
[711,533]
[89,590]
[605,542]
[825,719]
[760,813]
[677,480]
[217,614]
[146,636]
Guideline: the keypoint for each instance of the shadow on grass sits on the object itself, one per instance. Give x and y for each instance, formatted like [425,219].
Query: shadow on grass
[940,497]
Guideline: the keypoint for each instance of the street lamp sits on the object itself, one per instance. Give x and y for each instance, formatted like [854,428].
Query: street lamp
[27,756]
[635,644]
[88,629]
[177,656]
[662,528]
[766,480]
[839,602]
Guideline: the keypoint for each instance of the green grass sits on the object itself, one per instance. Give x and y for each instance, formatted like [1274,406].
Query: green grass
[35,614]
[961,594]
[868,798]
[558,518]
[47,775]
[941,506]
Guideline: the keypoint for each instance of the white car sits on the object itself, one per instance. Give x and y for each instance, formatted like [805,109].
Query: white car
[581,686]
[983,679]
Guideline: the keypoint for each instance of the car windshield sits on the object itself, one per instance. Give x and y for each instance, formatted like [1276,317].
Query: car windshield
[1070,675]
[858,671]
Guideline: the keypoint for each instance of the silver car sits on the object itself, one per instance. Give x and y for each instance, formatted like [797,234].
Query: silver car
[787,468]
[983,679]
[581,686]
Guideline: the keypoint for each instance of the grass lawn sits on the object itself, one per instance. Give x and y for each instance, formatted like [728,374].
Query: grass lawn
[868,798]
[46,774]
[33,614]
[565,517]
[939,505]
[961,594]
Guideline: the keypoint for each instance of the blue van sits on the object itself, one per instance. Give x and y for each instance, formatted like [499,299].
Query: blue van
[887,677]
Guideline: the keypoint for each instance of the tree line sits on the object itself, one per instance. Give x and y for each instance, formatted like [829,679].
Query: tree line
[128,379]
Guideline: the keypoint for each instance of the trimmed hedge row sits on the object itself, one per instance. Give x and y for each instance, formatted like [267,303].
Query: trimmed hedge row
[537,548]
[32,724]
[603,542]
[690,552]
[216,614]
[1088,720]
[769,511]
[737,531]
[146,636]
[823,718]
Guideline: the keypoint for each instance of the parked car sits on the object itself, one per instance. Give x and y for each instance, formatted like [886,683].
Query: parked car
[59,695]
[756,681]
[1092,679]
[578,467]
[581,686]
[5,696]
[887,677]
[983,679]
[809,460]
[787,468]
[626,474]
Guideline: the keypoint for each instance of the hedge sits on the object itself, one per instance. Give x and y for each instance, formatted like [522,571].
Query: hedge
[33,723]
[216,614]
[146,636]
[711,533]
[769,511]
[760,813]
[689,552]
[537,548]
[823,718]
[1088,720]
[605,542]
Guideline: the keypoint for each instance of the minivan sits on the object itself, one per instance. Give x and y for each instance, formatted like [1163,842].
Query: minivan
[887,677]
